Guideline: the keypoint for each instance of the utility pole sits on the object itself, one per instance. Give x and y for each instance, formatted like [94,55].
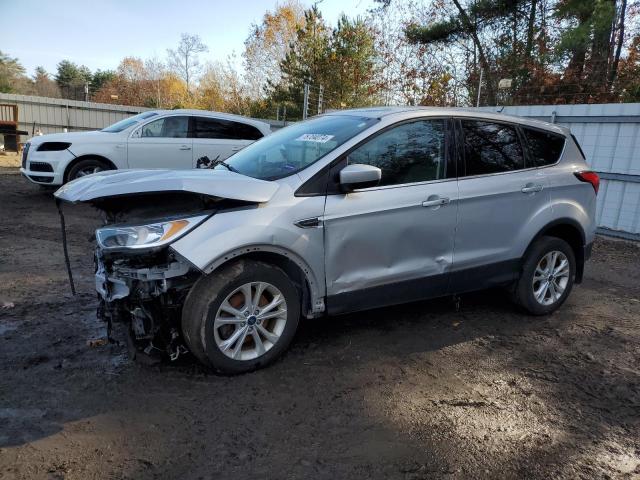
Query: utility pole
[479,88]
[305,105]
[320,99]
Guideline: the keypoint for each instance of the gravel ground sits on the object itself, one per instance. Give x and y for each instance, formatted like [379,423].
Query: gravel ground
[411,392]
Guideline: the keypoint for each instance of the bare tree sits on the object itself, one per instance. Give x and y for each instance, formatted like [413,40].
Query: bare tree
[156,71]
[268,44]
[184,59]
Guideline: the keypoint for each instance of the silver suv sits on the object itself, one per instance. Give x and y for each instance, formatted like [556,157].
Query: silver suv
[348,211]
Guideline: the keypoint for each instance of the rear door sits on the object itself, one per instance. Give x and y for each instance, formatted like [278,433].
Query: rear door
[218,139]
[393,243]
[502,196]
[161,143]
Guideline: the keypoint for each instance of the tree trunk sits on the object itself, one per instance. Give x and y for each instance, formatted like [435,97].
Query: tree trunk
[613,72]
[575,69]
[530,32]
[600,50]
[484,64]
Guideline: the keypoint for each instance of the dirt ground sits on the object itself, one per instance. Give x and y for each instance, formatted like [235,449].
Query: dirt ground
[412,392]
[9,160]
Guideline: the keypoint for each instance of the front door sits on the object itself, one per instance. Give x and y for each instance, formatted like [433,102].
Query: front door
[162,143]
[393,243]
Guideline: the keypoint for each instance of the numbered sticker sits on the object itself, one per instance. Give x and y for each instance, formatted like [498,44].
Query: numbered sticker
[314,137]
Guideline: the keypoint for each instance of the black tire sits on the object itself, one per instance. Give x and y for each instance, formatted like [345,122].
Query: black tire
[524,292]
[86,164]
[204,300]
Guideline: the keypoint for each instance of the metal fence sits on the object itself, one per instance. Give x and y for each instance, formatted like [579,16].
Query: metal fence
[609,135]
[55,115]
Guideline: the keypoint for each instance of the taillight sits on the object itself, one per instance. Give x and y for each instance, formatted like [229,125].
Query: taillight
[590,177]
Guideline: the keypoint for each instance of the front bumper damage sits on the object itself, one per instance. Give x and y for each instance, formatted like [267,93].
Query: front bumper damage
[146,289]
[145,292]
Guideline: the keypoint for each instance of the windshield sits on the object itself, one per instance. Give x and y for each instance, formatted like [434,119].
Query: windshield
[127,122]
[294,148]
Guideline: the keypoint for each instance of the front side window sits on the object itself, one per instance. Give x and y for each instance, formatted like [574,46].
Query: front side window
[296,147]
[409,153]
[205,127]
[491,148]
[545,148]
[167,127]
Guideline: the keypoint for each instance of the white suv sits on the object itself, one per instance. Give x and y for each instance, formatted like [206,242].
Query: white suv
[175,139]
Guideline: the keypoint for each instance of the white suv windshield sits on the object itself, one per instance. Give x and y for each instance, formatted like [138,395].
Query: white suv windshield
[294,148]
[127,122]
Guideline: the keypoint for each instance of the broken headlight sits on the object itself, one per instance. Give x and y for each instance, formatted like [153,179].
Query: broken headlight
[145,236]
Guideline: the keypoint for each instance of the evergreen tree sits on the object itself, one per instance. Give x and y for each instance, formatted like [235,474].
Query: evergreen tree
[10,72]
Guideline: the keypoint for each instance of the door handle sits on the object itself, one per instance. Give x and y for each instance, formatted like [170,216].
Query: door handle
[530,188]
[185,147]
[236,149]
[436,202]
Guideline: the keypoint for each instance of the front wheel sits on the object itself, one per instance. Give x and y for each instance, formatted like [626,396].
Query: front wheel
[547,276]
[242,317]
[86,167]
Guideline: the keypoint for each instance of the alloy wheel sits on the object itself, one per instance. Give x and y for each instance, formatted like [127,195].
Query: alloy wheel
[551,277]
[250,321]
[88,171]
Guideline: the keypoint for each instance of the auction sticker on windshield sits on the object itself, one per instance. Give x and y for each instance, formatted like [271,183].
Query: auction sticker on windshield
[314,137]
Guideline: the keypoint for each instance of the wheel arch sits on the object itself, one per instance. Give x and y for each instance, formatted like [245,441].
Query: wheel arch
[112,166]
[571,232]
[296,269]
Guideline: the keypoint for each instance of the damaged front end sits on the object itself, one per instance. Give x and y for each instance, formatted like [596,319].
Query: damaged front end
[140,280]
[146,292]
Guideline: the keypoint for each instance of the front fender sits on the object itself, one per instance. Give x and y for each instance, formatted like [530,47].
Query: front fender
[229,235]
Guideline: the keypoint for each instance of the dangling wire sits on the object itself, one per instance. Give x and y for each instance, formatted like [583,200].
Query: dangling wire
[64,246]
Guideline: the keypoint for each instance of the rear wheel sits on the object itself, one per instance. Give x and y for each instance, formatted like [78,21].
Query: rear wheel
[241,318]
[86,167]
[547,276]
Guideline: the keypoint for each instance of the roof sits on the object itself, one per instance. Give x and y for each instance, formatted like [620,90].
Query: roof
[408,112]
[225,116]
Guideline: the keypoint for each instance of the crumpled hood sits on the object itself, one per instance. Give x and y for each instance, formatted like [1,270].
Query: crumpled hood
[215,183]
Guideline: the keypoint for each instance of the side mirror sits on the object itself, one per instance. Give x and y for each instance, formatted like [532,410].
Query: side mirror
[359,175]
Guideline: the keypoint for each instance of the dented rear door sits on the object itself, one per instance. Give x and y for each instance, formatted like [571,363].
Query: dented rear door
[394,243]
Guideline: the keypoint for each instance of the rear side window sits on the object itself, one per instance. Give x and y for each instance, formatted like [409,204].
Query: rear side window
[224,129]
[545,148]
[491,148]
[408,153]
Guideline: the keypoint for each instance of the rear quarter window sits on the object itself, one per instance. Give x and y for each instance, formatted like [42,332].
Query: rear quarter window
[206,127]
[545,148]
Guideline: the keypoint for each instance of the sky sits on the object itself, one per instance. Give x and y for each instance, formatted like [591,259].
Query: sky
[99,34]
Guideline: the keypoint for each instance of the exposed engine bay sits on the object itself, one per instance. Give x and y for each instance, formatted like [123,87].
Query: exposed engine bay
[145,289]
[145,292]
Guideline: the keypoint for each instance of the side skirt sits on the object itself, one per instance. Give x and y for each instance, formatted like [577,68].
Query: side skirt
[460,281]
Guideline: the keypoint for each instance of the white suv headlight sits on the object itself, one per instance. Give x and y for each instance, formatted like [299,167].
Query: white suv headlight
[145,236]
